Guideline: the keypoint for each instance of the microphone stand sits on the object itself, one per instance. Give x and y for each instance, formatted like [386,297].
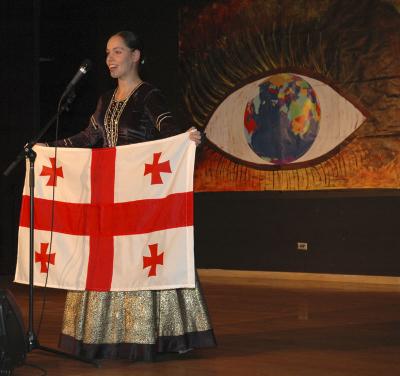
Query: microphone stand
[31,340]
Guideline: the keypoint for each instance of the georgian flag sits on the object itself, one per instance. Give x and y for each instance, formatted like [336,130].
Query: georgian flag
[123,217]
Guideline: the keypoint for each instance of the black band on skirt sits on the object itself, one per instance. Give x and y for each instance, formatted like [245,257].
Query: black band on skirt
[133,351]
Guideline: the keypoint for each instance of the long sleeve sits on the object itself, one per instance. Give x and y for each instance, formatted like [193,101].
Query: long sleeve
[156,108]
[89,137]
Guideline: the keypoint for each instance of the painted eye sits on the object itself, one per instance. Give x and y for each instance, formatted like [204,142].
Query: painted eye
[282,120]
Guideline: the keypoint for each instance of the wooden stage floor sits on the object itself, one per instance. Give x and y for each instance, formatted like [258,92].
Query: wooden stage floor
[278,329]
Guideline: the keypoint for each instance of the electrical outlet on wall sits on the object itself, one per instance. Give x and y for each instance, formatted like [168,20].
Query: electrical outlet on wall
[302,246]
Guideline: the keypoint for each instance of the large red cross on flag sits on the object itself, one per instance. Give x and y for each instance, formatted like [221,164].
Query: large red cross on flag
[121,222]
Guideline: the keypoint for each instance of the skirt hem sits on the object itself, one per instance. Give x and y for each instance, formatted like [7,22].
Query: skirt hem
[134,351]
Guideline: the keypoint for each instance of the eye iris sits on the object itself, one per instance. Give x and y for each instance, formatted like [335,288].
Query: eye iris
[282,122]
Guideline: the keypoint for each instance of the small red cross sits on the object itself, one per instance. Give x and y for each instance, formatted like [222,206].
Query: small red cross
[52,172]
[154,260]
[44,258]
[156,168]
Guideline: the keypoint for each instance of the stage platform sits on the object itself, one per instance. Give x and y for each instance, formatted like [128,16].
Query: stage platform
[289,325]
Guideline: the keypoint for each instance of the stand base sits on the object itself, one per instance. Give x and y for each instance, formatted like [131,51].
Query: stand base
[66,355]
[33,344]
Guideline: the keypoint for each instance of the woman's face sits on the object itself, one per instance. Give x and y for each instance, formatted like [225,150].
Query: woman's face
[121,60]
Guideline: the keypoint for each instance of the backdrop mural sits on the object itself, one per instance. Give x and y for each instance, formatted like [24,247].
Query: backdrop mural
[293,95]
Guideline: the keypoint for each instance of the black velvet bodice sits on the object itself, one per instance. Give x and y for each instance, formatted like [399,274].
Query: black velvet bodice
[145,117]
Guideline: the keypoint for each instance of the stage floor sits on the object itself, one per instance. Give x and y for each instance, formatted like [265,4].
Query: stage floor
[276,329]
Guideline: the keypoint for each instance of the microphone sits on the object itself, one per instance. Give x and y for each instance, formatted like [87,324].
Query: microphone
[83,69]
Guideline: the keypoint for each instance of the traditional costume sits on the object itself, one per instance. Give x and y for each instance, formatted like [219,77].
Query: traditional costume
[133,324]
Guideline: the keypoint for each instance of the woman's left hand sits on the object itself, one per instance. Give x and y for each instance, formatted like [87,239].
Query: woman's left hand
[195,135]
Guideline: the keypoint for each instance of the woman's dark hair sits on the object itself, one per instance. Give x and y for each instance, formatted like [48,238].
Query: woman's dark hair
[133,41]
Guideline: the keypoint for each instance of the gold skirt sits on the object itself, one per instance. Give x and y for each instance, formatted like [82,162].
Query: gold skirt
[135,324]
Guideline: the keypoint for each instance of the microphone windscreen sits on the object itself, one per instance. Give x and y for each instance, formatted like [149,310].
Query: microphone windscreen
[86,65]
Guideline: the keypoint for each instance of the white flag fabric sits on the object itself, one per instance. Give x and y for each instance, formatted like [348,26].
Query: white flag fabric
[123,217]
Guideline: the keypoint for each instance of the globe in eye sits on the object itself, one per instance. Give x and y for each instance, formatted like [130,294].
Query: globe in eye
[282,120]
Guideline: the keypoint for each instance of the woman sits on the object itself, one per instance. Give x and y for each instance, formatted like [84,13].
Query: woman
[136,324]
